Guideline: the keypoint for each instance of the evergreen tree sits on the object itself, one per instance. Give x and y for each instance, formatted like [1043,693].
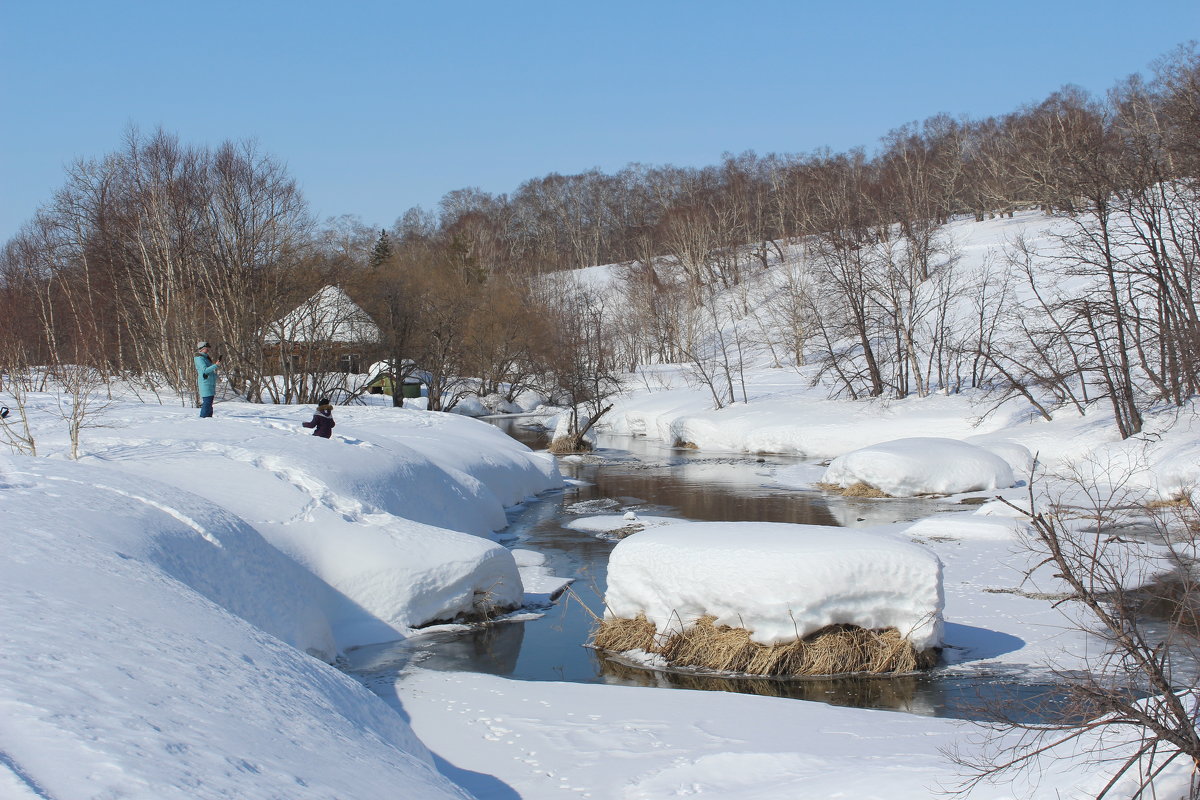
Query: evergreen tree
[383,249]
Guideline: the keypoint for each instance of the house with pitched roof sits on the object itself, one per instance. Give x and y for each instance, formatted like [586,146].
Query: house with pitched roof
[328,332]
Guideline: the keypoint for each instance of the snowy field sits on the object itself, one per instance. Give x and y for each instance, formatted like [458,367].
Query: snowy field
[171,603]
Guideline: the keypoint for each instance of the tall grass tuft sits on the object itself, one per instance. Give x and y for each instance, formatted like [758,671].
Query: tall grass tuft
[833,650]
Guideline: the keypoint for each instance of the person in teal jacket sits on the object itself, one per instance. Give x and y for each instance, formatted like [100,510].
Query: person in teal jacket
[206,378]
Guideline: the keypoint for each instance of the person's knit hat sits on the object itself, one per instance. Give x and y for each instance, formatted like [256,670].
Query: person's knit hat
[201,345]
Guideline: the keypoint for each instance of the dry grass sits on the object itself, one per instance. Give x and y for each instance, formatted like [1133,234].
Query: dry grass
[833,650]
[680,443]
[859,489]
[565,445]
[628,530]
[1171,598]
[1180,500]
[620,635]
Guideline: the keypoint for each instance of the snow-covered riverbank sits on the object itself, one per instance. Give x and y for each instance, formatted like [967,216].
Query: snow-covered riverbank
[159,596]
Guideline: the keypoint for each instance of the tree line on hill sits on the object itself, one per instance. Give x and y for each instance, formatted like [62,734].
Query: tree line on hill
[159,243]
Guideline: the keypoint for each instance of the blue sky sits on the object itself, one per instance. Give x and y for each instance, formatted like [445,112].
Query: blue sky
[380,106]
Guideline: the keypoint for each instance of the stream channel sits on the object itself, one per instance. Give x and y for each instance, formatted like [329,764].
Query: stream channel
[650,478]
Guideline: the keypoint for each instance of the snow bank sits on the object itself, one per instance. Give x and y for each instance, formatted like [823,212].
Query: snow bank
[641,743]
[922,466]
[132,669]
[786,414]
[973,527]
[618,526]
[562,427]
[470,451]
[471,406]
[779,581]
[1176,471]
[1018,456]
[388,514]
[79,511]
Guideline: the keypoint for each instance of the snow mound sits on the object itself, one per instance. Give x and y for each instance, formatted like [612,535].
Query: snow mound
[1017,455]
[497,404]
[779,581]
[174,532]
[607,523]
[967,526]
[471,406]
[132,668]
[388,515]
[922,466]
[529,400]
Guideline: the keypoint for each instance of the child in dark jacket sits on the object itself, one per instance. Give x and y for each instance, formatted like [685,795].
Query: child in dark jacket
[322,421]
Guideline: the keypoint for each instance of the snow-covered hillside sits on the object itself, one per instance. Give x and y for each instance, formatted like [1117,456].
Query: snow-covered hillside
[802,410]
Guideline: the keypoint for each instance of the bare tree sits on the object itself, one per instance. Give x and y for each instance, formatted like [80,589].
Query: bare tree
[16,382]
[1133,706]
[718,350]
[80,403]
[577,358]
[255,234]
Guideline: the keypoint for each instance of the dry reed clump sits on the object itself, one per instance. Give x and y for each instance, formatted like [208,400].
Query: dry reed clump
[1179,500]
[833,650]
[621,634]
[859,489]
[565,445]
[686,445]
[628,530]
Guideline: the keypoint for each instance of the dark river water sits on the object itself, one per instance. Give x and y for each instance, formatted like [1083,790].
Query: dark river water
[626,473]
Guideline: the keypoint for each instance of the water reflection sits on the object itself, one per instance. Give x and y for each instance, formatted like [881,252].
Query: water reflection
[973,697]
[494,648]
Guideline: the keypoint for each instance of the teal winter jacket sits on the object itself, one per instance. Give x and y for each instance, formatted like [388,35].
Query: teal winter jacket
[206,375]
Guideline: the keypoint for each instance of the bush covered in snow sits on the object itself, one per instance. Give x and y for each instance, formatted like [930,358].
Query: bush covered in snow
[921,466]
[758,586]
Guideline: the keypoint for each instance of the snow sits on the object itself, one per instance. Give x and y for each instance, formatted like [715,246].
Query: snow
[389,514]
[169,603]
[562,427]
[132,667]
[956,526]
[787,415]
[541,740]
[781,582]
[559,740]
[541,584]
[923,465]
[163,598]
[617,525]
